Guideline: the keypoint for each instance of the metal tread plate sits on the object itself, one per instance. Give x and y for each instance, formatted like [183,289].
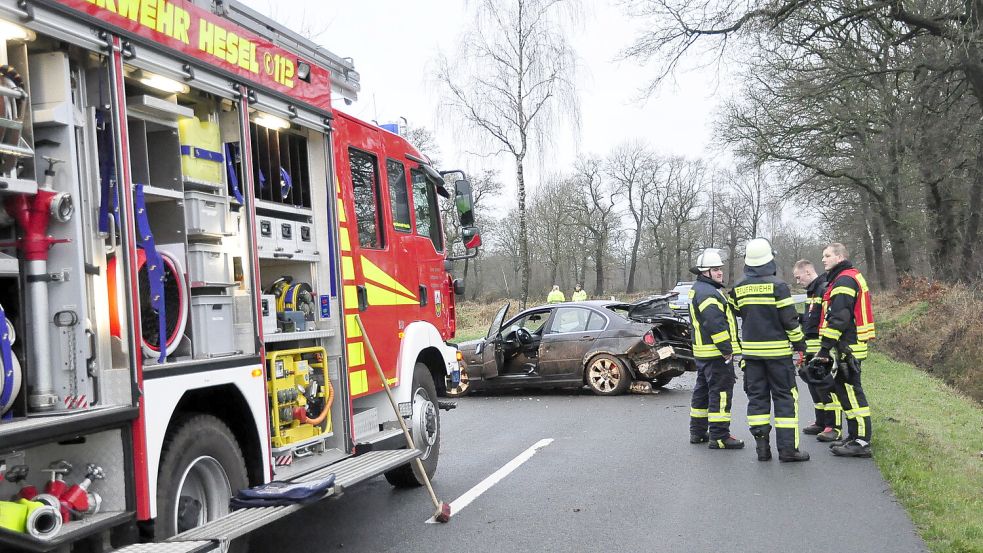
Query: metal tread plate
[170,547]
[347,473]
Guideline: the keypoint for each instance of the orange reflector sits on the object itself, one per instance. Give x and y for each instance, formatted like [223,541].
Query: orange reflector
[401,334]
[460,355]
[257,373]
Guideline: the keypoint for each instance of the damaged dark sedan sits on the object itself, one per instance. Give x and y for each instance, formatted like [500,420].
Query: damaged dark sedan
[608,346]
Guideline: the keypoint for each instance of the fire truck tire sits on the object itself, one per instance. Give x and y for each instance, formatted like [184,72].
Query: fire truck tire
[425,428]
[201,467]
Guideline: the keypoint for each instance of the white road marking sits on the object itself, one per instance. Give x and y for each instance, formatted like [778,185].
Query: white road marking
[481,487]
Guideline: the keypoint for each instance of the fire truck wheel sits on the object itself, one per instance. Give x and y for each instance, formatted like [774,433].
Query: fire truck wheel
[201,467]
[425,427]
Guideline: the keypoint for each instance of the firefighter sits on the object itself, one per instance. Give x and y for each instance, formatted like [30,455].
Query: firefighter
[847,324]
[579,294]
[827,426]
[555,295]
[714,345]
[770,331]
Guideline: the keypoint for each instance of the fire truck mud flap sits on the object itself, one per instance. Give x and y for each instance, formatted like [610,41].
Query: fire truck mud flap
[347,473]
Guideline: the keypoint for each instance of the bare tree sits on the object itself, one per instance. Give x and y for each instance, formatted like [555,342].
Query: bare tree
[512,79]
[594,210]
[634,170]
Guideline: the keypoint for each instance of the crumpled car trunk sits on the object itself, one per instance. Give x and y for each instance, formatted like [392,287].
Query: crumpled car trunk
[673,352]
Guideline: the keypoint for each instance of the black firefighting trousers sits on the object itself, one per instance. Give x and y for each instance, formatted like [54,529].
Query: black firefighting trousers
[854,400]
[767,381]
[828,409]
[712,398]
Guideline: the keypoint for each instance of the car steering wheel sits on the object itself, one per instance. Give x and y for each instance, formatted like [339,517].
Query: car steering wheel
[523,335]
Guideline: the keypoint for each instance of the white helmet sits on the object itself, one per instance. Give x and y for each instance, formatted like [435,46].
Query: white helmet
[758,252]
[709,259]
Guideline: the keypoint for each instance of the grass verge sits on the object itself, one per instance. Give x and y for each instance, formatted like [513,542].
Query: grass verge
[929,446]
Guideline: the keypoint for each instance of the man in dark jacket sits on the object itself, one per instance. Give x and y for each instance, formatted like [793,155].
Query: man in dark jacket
[769,331]
[846,326]
[714,346]
[827,426]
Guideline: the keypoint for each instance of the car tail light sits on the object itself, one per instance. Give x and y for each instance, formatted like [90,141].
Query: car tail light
[649,338]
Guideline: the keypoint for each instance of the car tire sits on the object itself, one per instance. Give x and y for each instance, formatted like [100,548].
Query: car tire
[425,428]
[201,468]
[607,375]
[459,390]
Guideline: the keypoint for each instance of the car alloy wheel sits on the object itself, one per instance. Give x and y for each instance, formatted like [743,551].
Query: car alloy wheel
[607,376]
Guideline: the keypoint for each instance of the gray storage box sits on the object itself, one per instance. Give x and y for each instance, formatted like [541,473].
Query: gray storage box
[266,235]
[286,236]
[212,321]
[206,213]
[208,265]
[305,239]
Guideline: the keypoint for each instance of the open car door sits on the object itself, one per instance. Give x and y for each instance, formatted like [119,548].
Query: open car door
[493,348]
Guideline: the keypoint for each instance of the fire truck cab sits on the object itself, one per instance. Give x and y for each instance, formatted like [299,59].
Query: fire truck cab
[200,260]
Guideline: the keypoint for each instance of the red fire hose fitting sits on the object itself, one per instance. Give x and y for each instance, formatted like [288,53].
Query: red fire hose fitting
[33,214]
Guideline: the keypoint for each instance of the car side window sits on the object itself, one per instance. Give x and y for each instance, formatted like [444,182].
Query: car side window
[569,319]
[532,322]
[596,322]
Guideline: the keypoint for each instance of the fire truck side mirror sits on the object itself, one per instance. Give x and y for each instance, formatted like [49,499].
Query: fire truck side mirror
[459,287]
[464,201]
[471,237]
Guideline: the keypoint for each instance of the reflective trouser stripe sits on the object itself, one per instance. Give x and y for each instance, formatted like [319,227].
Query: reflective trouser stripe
[724,414]
[852,413]
[837,409]
[698,413]
[759,420]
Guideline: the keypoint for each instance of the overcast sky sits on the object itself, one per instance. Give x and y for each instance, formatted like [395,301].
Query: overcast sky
[394,43]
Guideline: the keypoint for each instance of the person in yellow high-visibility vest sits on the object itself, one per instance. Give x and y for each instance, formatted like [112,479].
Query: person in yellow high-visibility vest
[556,295]
[579,294]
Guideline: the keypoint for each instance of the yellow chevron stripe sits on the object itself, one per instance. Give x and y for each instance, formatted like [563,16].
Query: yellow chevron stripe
[356,354]
[346,242]
[358,382]
[347,268]
[371,272]
[351,297]
[382,296]
[351,327]
[342,218]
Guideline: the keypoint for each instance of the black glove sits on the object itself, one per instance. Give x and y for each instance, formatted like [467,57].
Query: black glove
[823,353]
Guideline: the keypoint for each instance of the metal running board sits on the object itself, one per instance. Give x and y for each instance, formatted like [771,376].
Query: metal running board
[172,547]
[347,473]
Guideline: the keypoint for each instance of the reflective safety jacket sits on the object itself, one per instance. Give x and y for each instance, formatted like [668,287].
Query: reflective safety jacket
[555,296]
[579,296]
[714,325]
[847,315]
[769,322]
[813,312]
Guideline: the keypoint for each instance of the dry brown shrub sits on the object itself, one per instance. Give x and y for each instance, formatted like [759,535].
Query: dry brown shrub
[937,328]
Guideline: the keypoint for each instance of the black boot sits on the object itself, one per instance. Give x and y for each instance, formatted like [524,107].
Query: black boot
[730,442]
[853,448]
[698,438]
[792,456]
[762,445]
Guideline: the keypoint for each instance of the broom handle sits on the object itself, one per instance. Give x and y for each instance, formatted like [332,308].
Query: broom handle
[399,417]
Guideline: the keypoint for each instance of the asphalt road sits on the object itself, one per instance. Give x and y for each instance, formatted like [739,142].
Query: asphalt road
[619,475]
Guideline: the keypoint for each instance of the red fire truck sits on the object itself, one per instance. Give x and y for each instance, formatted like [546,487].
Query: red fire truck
[191,234]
